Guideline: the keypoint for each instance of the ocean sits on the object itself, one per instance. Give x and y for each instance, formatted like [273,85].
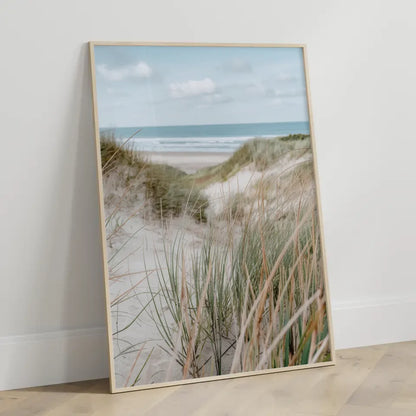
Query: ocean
[203,138]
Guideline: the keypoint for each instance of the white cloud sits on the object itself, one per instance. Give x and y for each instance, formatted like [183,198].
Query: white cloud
[214,99]
[139,70]
[259,89]
[192,88]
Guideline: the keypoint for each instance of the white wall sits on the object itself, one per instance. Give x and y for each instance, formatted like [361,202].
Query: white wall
[363,81]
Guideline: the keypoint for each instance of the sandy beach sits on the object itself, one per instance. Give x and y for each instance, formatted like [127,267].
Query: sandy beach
[189,162]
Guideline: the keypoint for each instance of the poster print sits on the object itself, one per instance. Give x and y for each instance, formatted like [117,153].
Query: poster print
[214,261]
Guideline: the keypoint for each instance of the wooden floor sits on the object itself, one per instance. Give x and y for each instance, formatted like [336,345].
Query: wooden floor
[377,381]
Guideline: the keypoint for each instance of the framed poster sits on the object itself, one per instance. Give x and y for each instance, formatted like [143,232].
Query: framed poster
[211,226]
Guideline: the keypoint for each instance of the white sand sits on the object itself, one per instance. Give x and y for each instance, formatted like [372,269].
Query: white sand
[245,180]
[189,162]
[137,256]
[145,241]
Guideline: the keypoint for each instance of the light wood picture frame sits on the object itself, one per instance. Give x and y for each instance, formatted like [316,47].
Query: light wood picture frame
[211,224]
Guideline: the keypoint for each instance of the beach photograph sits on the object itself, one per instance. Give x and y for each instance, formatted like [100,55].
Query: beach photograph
[214,264]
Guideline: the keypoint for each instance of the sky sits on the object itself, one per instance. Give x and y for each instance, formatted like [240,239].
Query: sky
[183,85]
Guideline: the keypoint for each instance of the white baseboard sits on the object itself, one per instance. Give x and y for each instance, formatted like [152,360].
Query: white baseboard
[53,357]
[378,321]
[81,354]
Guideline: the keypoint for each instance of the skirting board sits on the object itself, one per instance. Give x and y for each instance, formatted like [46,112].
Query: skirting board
[379,321]
[81,354]
[53,357]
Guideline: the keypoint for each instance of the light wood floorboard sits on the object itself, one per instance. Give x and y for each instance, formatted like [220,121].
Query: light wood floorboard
[379,381]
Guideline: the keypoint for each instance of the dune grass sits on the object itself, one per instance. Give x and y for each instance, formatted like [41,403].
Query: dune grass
[249,301]
[261,152]
[171,191]
[172,195]
[251,296]
[165,187]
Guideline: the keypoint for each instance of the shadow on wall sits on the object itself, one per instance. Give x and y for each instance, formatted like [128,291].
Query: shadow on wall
[83,290]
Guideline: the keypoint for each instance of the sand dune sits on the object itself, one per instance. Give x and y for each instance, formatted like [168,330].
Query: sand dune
[141,242]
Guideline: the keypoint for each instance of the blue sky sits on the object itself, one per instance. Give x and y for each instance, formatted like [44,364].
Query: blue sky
[173,85]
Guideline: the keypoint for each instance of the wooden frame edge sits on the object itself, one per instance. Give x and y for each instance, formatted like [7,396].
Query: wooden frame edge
[212,44]
[332,362]
[224,377]
[319,206]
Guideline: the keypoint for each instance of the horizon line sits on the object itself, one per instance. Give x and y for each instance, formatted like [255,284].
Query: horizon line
[200,125]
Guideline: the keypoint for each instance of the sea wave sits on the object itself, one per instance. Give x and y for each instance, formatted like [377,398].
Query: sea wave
[190,144]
